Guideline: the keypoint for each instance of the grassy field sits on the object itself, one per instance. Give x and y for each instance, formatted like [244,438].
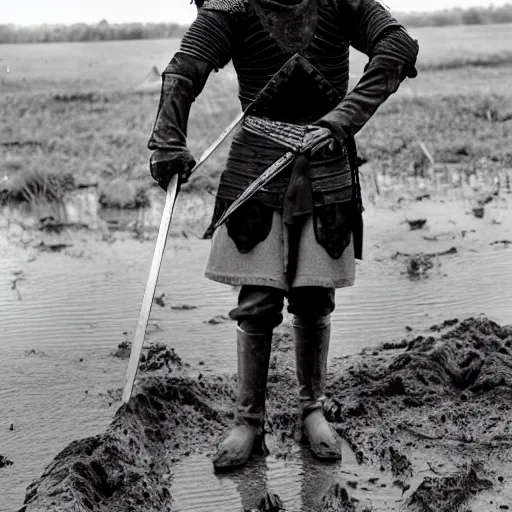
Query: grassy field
[69,114]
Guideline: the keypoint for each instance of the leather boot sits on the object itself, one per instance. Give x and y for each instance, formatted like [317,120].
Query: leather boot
[311,350]
[247,436]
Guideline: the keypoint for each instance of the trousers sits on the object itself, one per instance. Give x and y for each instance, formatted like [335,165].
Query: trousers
[259,308]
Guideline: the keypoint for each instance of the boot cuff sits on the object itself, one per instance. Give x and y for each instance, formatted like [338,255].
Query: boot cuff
[311,323]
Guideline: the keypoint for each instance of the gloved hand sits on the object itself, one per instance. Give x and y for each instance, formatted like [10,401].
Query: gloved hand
[182,81]
[317,137]
[165,163]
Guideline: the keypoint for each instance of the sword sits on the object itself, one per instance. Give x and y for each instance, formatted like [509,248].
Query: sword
[149,293]
[256,185]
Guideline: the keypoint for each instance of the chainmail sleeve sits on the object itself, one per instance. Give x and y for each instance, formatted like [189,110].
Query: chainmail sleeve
[392,52]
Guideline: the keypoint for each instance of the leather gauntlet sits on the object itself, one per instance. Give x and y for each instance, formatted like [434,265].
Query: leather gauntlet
[182,81]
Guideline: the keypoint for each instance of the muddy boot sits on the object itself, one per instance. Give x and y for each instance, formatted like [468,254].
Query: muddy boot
[247,436]
[311,349]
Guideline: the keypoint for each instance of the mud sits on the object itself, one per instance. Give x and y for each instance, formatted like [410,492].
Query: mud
[4,461]
[449,492]
[418,265]
[428,419]
[417,223]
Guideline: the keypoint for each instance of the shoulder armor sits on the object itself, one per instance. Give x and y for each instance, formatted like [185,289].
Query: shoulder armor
[229,6]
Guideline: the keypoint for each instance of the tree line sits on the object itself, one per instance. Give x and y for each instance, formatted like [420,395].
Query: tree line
[105,31]
[79,32]
[470,16]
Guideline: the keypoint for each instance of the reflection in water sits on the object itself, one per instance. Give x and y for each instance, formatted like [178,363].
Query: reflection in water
[302,484]
[242,489]
[82,206]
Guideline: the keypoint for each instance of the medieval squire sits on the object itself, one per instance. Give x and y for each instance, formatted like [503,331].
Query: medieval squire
[297,237]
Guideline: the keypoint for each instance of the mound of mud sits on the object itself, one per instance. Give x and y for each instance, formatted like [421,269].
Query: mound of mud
[432,413]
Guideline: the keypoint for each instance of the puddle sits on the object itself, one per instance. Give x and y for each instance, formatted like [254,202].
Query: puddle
[300,483]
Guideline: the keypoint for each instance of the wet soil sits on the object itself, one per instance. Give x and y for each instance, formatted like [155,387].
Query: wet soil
[430,422]
[64,312]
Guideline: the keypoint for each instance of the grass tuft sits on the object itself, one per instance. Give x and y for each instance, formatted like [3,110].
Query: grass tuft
[123,194]
[35,185]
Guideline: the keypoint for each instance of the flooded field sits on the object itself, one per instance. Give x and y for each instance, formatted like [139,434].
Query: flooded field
[72,294]
[424,417]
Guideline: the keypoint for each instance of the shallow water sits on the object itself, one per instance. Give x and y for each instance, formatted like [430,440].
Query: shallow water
[300,484]
[72,308]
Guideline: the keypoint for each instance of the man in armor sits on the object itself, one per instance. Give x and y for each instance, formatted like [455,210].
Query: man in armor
[298,236]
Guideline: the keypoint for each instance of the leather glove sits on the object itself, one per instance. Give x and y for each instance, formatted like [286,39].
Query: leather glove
[182,80]
[165,163]
[316,138]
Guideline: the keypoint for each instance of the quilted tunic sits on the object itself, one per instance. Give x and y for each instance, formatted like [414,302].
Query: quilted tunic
[294,57]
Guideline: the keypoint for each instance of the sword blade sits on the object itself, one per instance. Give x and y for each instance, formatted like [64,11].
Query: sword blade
[220,139]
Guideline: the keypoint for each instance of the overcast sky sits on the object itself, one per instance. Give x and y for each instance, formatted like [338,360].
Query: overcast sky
[28,12]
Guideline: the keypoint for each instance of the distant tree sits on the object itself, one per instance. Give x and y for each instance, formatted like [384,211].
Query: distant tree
[473,16]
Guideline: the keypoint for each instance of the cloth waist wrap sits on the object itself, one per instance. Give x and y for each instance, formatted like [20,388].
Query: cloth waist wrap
[324,184]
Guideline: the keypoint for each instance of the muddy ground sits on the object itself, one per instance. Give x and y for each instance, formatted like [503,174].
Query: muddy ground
[74,277]
[424,420]
[427,420]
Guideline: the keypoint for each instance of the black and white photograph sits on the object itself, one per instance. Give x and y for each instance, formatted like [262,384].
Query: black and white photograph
[255,256]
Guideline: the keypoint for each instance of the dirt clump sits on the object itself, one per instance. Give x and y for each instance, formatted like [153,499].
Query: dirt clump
[123,349]
[154,356]
[217,319]
[418,265]
[415,224]
[183,307]
[4,462]
[449,493]
[157,356]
